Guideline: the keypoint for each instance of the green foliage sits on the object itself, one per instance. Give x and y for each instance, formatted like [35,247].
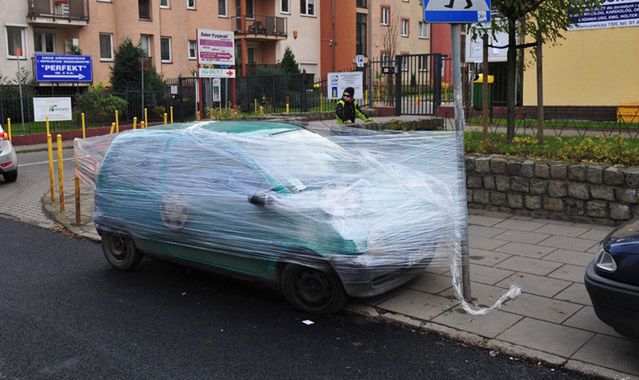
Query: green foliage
[610,150]
[288,63]
[99,105]
[224,114]
[125,72]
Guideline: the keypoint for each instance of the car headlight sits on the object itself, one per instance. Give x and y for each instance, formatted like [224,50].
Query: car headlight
[606,262]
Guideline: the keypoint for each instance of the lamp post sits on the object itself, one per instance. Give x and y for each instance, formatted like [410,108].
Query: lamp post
[19,76]
[142,81]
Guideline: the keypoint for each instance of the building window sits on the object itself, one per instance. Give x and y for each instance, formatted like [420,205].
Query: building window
[15,40]
[190,4]
[385,15]
[165,3]
[106,46]
[145,44]
[192,50]
[307,7]
[221,8]
[250,8]
[360,44]
[362,4]
[404,32]
[284,6]
[165,49]
[144,9]
[44,41]
[423,29]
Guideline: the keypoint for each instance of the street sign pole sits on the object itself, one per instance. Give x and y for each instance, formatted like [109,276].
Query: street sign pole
[459,128]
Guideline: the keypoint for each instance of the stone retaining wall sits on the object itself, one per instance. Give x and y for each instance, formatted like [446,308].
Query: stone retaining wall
[579,192]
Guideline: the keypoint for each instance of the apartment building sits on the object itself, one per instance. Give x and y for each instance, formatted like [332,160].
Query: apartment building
[398,27]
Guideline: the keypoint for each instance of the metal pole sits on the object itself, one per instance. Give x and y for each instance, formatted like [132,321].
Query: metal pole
[459,128]
[142,81]
[20,86]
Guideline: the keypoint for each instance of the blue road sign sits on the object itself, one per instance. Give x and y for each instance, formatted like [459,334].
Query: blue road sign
[456,11]
[63,68]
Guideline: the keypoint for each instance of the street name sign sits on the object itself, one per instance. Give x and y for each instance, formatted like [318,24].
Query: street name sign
[63,68]
[456,11]
[215,47]
[216,73]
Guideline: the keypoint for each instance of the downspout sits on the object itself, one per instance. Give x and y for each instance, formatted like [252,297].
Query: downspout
[333,42]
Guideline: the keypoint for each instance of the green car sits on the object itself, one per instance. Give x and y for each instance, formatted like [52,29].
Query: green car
[319,215]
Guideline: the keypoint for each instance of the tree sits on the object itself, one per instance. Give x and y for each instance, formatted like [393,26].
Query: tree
[288,63]
[550,18]
[125,73]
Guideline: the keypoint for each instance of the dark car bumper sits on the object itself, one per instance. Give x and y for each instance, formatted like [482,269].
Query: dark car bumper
[615,303]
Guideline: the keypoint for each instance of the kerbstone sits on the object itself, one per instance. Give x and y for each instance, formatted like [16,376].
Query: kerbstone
[577,172]
[528,168]
[542,170]
[632,177]
[547,337]
[470,164]
[602,192]
[553,204]
[498,198]
[597,209]
[498,165]
[474,182]
[513,168]
[520,184]
[533,202]
[538,186]
[619,211]
[482,165]
[502,183]
[594,173]
[613,177]
[627,195]
[558,171]
[557,188]
[578,190]
[489,182]
[481,196]
[515,200]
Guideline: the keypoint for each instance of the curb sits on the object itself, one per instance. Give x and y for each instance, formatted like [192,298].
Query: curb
[52,212]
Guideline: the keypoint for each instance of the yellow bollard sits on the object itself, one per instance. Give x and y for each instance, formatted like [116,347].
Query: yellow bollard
[171,110]
[142,126]
[51,173]
[288,109]
[165,118]
[46,121]
[366,97]
[146,117]
[60,172]
[78,212]
[117,122]
[9,129]
[321,102]
[112,128]
[262,110]
[84,127]
[135,122]
[255,105]
[198,116]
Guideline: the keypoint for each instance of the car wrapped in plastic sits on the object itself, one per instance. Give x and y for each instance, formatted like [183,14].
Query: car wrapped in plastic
[326,215]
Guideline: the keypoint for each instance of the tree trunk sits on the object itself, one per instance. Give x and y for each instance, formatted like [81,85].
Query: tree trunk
[540,88]
[510,80]
[484,88]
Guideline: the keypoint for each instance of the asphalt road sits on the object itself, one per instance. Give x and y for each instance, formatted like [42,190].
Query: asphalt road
[64,313]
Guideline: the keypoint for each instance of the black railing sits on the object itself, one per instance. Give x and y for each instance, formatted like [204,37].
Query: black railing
[261,26]
[59,9]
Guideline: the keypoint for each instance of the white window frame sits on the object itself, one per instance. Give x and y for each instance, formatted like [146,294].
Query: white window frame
[304,12]
[226,9]
[170,60]
[385,16]
[104,1]
[404,23]
[422,27]
[191,7]
[287,12]
[111,45]
[167,5]
[149,50]
[192,43]
[43,32]
[23,42]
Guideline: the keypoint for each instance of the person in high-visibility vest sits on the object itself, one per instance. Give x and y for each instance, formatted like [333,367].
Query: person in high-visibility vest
[347,109]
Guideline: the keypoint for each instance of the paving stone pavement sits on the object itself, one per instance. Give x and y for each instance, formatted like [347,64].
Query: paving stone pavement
[552,320]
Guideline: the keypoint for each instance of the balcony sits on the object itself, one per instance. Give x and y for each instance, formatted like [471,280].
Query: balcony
[261,28]
[58,12]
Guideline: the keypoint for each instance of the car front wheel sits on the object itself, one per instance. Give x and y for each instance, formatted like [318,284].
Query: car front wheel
[312,290]
[120,251]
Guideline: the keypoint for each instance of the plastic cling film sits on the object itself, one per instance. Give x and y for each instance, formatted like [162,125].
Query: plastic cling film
[372,208]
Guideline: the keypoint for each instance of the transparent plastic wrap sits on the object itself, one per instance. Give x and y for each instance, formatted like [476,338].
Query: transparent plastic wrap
[375,208]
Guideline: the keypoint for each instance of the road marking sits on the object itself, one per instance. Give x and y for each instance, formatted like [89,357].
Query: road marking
[42,162]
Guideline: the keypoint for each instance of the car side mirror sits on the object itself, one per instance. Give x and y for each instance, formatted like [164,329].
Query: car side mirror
[261,199]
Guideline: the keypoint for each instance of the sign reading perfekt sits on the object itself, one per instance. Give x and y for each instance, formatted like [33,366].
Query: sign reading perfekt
[456,11]
[63,68]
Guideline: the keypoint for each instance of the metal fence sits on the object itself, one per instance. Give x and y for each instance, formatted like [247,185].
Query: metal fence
[273,92]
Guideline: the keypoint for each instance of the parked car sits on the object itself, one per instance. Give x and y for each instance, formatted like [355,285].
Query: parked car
[612,280]
[8,158]
[268,200]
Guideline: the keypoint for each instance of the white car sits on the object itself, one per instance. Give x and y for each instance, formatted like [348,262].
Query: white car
[8,158]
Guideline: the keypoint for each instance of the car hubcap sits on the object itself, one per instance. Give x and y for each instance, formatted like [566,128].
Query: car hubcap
[312,287]
[118,247]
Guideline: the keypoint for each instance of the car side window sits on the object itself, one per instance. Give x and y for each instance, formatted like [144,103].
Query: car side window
[135,163]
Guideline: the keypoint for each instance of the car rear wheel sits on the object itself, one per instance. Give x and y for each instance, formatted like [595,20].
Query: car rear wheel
[120,251]
[10,176]
[313,290]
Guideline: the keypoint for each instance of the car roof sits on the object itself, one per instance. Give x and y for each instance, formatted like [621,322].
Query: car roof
[240,127]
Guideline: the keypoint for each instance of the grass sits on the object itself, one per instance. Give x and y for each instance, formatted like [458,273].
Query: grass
[558,124]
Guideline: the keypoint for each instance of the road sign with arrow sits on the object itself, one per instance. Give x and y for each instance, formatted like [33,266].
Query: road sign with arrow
[456,11]
[63,68]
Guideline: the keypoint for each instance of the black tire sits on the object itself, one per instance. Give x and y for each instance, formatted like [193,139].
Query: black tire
[120,251]
[312,290]
[10,176]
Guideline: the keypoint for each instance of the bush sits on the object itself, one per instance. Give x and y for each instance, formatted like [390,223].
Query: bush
[99,105]
[224,114]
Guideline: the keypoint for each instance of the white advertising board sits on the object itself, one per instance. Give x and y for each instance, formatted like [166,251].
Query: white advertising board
[337,82]
[612,14]
[216,73]
[56,109]
[474,48]
[215,47]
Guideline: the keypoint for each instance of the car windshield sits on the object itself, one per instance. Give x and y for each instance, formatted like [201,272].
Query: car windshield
[301,159]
